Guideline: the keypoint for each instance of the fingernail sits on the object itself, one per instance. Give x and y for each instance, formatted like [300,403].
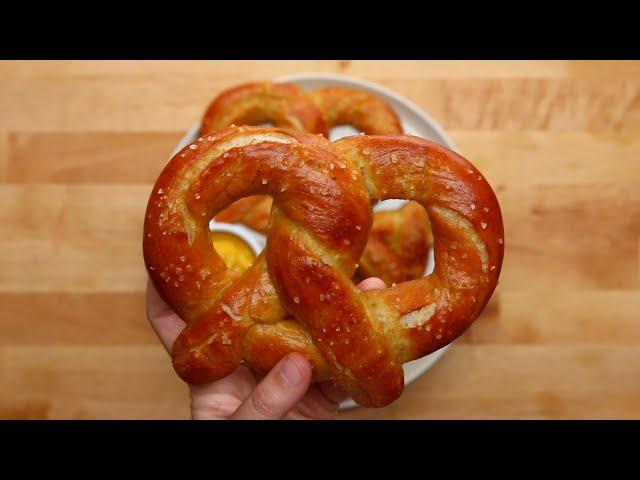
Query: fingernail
[290,372]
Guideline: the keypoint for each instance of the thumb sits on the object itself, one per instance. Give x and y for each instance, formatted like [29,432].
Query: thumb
[283,387]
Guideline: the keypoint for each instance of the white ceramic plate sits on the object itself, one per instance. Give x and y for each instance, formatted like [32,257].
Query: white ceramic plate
[414,122]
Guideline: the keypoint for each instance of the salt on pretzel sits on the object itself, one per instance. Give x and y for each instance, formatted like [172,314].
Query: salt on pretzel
[298,295]
[398,246]
[399,242]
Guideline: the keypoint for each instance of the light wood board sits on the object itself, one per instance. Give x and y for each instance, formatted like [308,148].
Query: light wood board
[81,143]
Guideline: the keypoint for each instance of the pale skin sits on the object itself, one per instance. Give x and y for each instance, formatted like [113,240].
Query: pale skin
[286,392]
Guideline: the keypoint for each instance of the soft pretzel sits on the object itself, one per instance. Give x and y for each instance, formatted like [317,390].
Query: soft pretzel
[298,295]
[283,104]
[398,245]
[287,106]
[398,249]
[363,110]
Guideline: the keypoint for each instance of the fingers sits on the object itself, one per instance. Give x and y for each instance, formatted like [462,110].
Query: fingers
[371,283]
[283,387]
[314,406]
[165,322]
[220,399]
[239,384]
[333,393]
[321,402]
[274,397]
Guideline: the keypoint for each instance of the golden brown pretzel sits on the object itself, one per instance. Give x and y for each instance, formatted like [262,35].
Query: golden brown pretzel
[363,110]
[283,104]
[398,245]
[287,106]
[298,295]
[400,251]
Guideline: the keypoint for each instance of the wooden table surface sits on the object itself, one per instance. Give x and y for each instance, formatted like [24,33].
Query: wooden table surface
[82,142]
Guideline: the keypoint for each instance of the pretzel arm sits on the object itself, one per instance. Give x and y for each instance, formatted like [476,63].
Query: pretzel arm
[426,314]
[363,110]
[284,104]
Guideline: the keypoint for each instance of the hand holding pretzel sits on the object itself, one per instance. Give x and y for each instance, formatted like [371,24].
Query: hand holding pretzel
[298,296]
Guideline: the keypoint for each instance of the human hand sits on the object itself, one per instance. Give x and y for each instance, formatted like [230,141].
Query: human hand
[285,392]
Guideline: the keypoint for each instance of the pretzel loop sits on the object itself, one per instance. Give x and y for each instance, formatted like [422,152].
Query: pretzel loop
[318,229]
[428,313]
[399,243]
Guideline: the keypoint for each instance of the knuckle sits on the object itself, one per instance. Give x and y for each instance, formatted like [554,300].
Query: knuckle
[316,411]
[215,406]
[261,401]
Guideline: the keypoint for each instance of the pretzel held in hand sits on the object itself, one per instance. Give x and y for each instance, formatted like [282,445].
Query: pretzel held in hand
[298,294]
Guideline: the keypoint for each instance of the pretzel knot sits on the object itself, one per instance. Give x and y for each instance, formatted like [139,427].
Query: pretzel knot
[399,241]
[298,294]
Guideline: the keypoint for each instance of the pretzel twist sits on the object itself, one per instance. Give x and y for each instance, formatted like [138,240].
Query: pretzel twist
[298,295]
[399,243]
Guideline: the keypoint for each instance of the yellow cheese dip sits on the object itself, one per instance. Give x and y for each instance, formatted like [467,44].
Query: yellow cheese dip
[234,251]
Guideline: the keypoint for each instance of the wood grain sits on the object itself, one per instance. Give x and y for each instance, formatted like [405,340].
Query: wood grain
[82,142]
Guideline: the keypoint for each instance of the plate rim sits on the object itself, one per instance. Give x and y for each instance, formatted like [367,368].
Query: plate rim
[374,87]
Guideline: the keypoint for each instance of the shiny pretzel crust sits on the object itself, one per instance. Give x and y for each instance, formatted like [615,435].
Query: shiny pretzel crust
[283,104]
[398,245]
[363,110]
[298,296]
[399,242]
